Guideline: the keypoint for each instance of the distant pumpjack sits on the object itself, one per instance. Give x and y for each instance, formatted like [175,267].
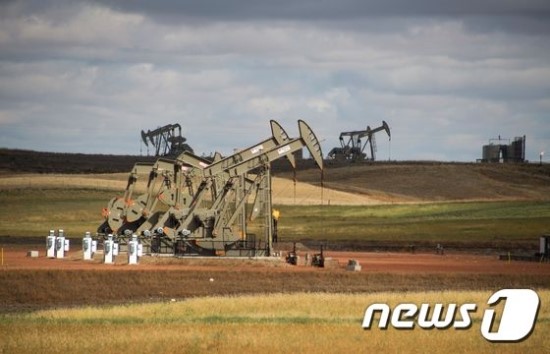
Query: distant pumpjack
[352,148]
[165,140]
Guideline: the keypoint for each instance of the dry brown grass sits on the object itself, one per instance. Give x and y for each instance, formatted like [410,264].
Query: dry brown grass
[284,190]
[409,181]
[357,184]
[114,182]
[282,323]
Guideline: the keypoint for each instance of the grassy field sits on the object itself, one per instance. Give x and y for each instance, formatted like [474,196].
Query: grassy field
[436,222]
[32,212]
[282,323]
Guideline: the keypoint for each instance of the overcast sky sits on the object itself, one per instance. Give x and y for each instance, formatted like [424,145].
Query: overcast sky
[446,75]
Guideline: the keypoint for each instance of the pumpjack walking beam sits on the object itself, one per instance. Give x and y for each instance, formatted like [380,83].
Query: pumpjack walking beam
[278,138]
[307,139]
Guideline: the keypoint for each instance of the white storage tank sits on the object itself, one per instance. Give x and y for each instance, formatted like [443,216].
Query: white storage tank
[50,245]
[133,250]
[87,249]
[60,245]
[108,250]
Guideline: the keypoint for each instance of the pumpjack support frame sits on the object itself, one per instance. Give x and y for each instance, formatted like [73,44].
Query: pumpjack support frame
[212,220]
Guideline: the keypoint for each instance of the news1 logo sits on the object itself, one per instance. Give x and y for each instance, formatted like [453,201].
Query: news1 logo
[517,319]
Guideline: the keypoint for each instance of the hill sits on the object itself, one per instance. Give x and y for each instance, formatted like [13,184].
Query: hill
[22,161]
[356,183]
[438,181]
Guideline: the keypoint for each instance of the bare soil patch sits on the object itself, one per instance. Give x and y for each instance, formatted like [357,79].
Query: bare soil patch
[16,258]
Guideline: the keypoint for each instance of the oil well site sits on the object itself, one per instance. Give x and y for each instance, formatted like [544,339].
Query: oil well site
[265,219]
[204,245]
[270,177]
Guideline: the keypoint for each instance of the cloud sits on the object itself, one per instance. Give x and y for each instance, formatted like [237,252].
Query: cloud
[311,9]
[88,76]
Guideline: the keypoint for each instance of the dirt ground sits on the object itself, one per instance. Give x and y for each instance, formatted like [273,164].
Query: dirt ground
[28,284]
[16,257]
